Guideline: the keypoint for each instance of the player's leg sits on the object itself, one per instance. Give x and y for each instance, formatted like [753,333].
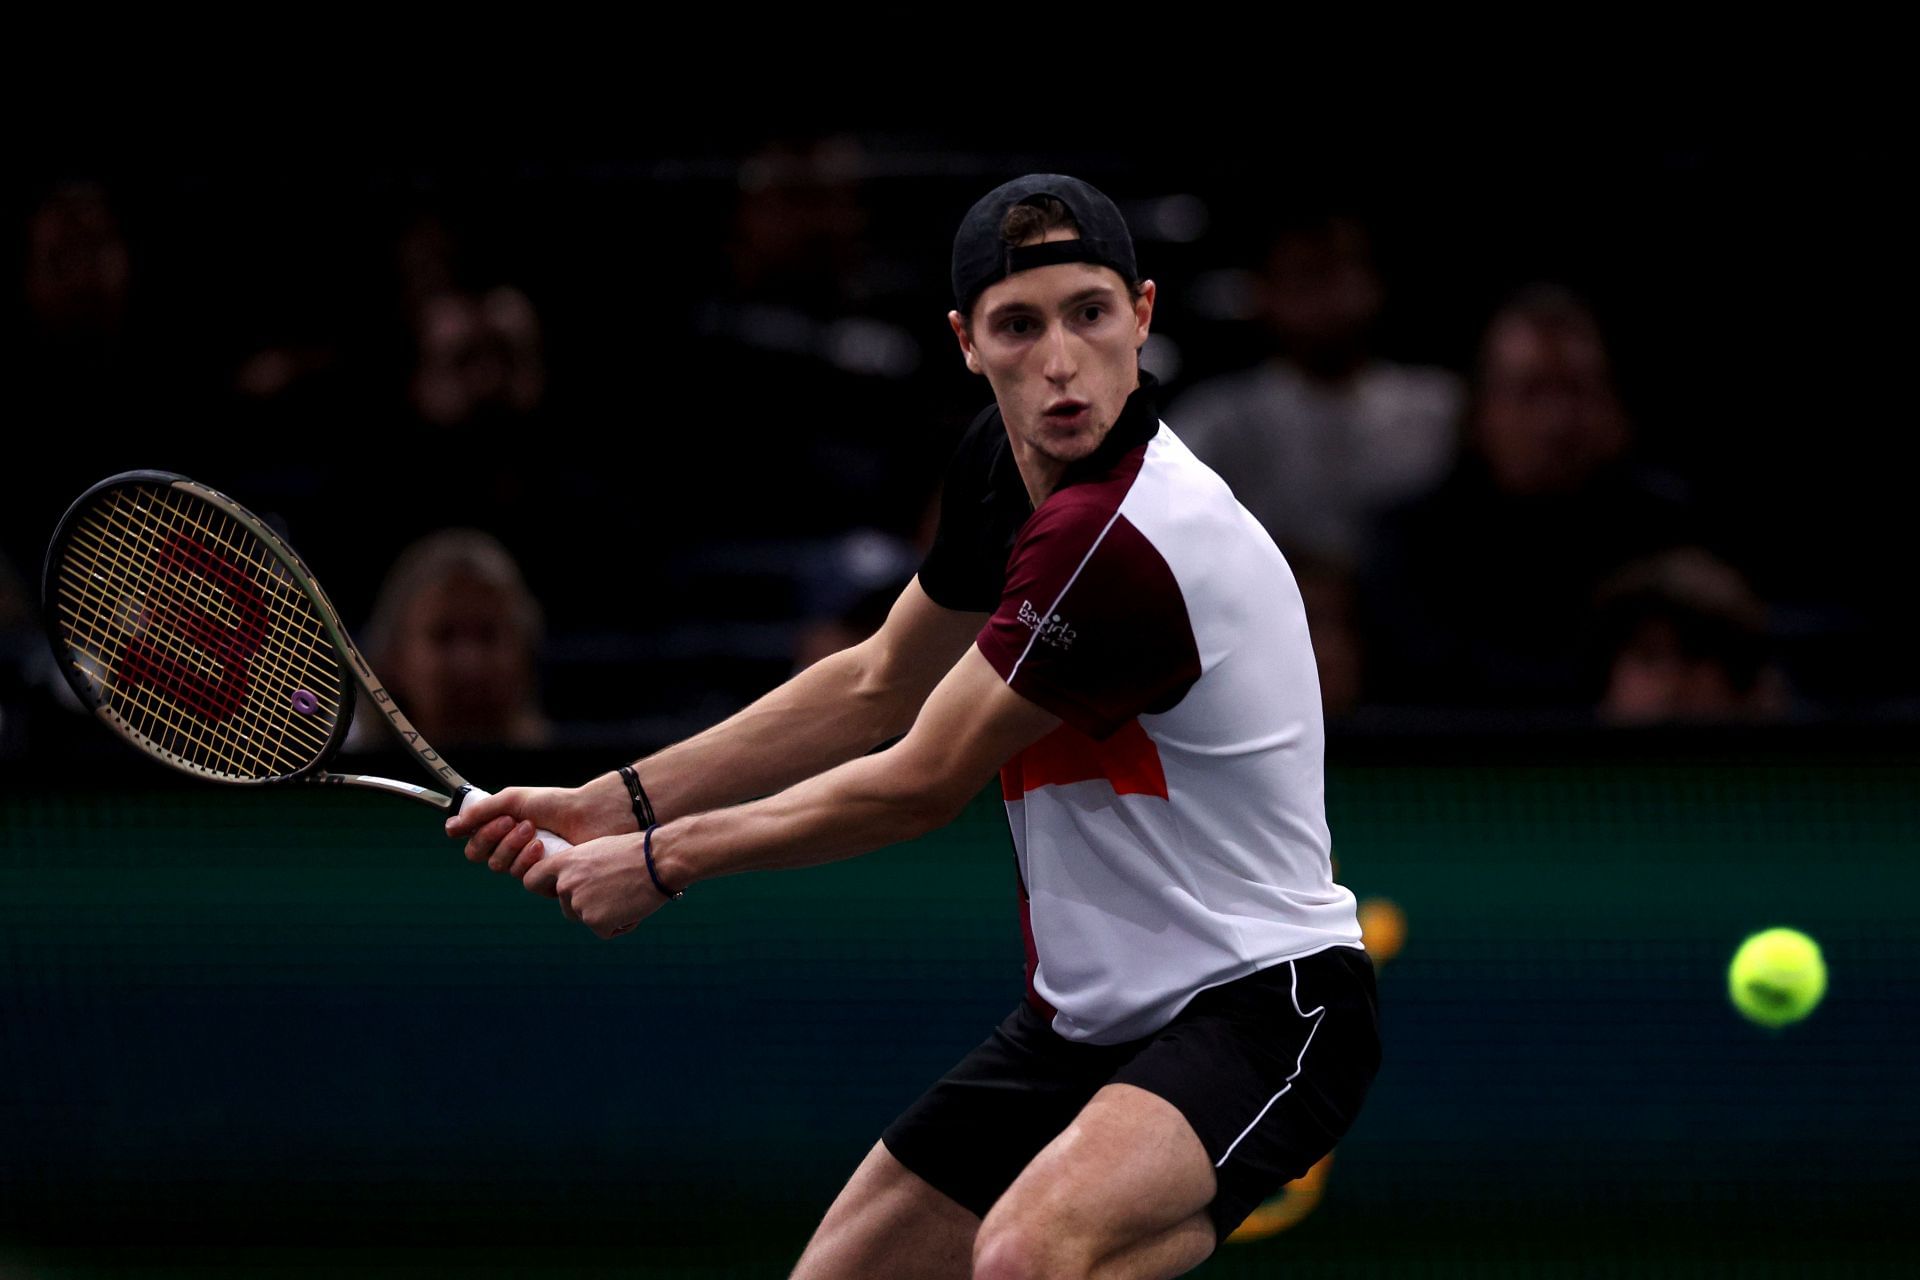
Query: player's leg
[1122,1192]
[888,1222]
[914,1205]
[1250,1085]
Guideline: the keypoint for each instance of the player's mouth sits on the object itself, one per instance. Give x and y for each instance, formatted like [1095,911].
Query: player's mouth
[1066,413]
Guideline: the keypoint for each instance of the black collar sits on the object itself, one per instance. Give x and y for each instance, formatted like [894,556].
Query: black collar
[1139,420]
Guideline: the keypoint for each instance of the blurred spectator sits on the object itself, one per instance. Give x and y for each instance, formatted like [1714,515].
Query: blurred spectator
[482,443]
[1546,415]
[479,358]
[1683,637]
[1319,439]
[78,269]
[455,635]
[277,369]
[804,342]
[425,258]
[799,227]
[72,376]
[1478,594]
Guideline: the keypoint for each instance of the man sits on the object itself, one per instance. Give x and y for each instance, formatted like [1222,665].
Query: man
[1323,436]
[1546,502]
[1199,1023]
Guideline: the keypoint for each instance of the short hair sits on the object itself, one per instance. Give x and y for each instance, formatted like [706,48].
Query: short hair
[439,557]
[1712,611]
[1033,218]
[1552,309]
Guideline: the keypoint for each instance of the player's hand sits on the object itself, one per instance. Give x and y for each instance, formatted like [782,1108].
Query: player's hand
[602,884]
[500,828]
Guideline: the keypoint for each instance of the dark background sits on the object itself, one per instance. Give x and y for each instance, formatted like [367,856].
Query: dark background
[1742,273]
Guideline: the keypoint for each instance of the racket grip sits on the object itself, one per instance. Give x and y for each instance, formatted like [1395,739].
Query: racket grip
[549,842]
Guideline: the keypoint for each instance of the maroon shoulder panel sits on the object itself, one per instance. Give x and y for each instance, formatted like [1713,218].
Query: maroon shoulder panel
[1092,625]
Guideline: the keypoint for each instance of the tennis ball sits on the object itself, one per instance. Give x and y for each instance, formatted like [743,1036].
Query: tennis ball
[1777,976]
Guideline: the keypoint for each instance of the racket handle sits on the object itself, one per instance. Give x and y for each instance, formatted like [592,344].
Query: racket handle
[549,842]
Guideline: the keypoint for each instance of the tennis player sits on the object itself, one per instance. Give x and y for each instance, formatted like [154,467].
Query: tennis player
[1102,624]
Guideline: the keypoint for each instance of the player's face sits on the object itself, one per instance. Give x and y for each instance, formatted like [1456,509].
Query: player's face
[1060,346]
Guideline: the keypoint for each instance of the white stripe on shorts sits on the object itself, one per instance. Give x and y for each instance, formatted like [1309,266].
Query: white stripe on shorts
[1299,1063]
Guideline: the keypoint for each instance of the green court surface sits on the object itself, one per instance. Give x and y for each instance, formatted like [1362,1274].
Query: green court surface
[294,1033]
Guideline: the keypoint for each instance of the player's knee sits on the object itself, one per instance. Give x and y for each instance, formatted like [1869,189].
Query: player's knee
[1022,1250]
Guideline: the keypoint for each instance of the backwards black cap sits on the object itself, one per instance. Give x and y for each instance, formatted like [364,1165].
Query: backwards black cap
[981,258]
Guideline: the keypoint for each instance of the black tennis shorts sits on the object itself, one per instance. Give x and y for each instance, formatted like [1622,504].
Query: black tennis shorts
[1270,1070]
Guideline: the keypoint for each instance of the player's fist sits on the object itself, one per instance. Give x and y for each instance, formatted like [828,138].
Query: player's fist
[602,884]
[504,830]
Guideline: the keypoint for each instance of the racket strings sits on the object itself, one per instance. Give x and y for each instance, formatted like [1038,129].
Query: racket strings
[226,737]
[173,659]
[269,634]
[274,632]
[293,662]
[111,622]
[206,742]
[190,630]
[232,641]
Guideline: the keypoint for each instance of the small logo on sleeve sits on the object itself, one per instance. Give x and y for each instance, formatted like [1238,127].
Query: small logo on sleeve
[1051,631]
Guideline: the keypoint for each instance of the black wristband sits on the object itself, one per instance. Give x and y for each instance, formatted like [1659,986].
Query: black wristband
[646,846]
[642,807]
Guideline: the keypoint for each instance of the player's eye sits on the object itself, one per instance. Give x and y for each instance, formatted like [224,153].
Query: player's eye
[1017,326]
[1092,313]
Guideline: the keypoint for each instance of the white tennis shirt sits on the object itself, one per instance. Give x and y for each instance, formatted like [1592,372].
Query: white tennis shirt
[1171,834]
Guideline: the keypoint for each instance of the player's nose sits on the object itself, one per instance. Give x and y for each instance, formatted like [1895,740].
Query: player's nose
[1060,361]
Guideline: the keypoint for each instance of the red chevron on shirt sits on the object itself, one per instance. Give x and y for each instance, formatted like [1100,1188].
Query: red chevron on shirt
[1127,759]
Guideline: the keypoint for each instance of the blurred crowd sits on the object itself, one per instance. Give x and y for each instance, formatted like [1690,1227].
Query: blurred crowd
[596,457]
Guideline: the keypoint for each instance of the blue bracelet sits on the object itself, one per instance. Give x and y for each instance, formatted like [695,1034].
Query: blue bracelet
[646,846]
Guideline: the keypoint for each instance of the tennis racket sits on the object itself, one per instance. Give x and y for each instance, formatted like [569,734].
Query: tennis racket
[194,632]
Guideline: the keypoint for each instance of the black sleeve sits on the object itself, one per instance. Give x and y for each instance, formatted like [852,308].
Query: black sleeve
[967,565]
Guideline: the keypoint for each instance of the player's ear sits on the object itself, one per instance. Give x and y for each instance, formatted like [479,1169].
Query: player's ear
[1143,312]
[958,323]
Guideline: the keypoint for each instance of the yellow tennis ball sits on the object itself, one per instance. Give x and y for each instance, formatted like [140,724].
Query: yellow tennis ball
[1777,976]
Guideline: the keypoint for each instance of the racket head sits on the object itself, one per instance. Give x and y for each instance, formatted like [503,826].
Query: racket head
[191,630]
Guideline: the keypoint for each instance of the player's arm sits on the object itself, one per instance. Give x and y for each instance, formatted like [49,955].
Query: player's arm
[839,708]
[970,725]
